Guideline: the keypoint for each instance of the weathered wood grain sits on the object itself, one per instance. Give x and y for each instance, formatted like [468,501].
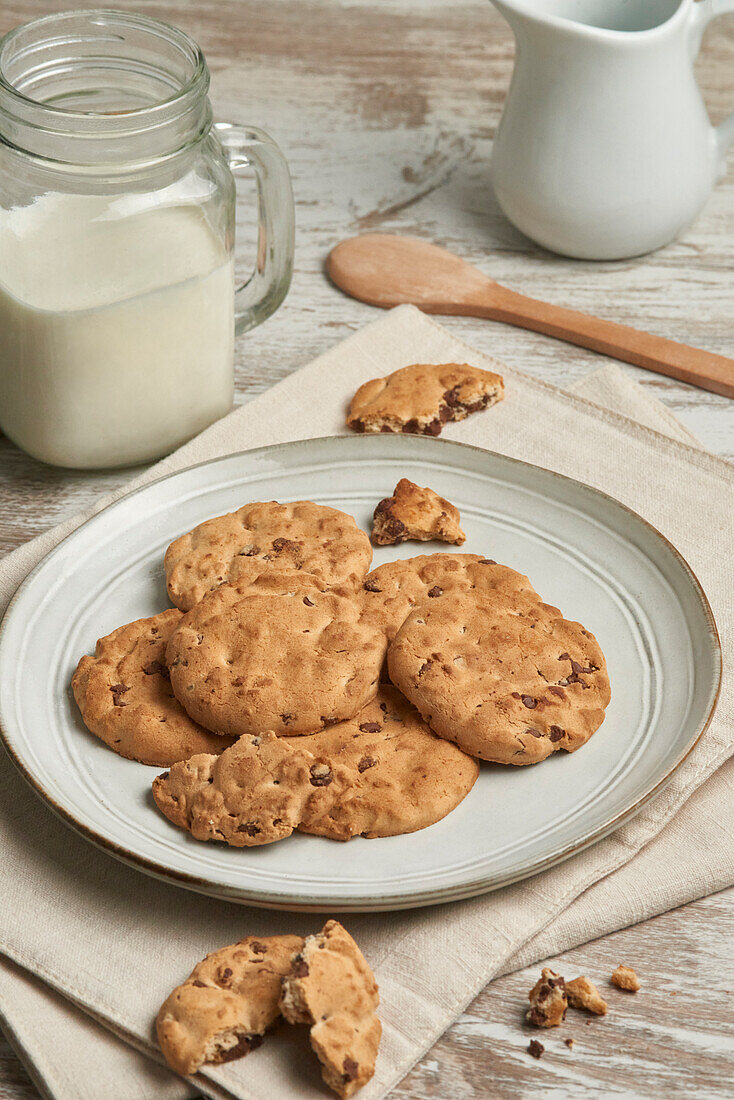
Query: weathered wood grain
[673,1038]
[386,110]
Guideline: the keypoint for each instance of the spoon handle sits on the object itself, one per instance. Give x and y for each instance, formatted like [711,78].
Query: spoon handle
[655,353]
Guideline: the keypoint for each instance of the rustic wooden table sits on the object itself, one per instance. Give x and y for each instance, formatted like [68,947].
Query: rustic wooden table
[386,110]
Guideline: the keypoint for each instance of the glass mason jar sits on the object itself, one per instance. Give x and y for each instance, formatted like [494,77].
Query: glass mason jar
[118,308]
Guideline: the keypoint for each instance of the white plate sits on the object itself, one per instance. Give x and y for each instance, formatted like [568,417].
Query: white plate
[584,552]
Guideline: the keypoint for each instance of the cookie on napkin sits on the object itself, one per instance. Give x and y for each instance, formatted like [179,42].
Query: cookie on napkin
[228,1002]
[421,398]
[331,987]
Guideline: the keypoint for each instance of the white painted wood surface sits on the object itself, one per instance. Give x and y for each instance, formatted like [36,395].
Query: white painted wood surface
[386,110]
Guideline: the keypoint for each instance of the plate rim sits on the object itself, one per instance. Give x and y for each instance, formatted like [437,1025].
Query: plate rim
[401,900]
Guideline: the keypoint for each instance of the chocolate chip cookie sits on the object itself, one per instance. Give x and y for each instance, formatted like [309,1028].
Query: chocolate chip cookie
[501,673]
[125,697]
[260,537]
[391,774]
[421,398]
[414,512]
[393,590]
[331,987]
[227,1003]
[280,654]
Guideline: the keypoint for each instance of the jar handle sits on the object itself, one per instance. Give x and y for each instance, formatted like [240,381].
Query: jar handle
[263,292]
[703,13]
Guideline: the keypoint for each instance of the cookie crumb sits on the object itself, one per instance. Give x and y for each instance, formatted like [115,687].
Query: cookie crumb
[548,1001]
[569,1043]
[536,1049]
[583,994]
[625,978]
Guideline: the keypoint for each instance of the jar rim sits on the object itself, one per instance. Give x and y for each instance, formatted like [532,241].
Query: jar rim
[165,120]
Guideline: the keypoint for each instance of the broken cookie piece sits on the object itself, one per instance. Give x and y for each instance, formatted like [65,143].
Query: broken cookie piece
[548,1001]
[582,993]
[416,513]
[624,977]
[421,398]
[331,987]
[227,1003]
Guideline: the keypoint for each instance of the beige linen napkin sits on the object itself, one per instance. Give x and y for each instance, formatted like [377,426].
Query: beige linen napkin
[114,941]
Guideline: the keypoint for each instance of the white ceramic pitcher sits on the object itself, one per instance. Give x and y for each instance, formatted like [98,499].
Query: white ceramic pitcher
[605,149]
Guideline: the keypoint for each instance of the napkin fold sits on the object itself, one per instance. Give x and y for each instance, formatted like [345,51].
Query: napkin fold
[82,932]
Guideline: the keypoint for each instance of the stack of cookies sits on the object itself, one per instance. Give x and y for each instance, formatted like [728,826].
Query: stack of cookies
[290,688]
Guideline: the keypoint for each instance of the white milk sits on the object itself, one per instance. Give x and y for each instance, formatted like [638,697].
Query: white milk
[116,328]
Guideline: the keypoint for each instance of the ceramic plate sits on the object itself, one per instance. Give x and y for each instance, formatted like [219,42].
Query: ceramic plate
[583,552]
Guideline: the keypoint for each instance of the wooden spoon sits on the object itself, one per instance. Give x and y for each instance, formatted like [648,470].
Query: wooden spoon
[387,270]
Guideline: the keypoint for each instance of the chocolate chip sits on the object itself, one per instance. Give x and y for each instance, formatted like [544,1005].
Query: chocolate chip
[258,948]
[554,690]
[410,426]
[365,763]
[370,727]
[444,413]
[165,775]
[299,969]
[451,397]
[434,428]
[533,733]
[286,719]
[225,974]
[435,591]
[308,603]
[487,561]
[329,721]
[238,681]
[321,775]
[577,670]
[279,545]
[198,984]
[243,1046]
[249,829]
[556,733]
[426,665]
[371,586]
[118,690]
[155,668]
[351,1069]
[385,428]
[529,702]
[249,551]
[535,1048]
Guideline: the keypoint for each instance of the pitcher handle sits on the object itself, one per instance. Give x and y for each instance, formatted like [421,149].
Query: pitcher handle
[704,11]
[267,286]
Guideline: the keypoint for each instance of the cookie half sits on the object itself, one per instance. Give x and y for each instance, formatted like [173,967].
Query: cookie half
[331,987]
[501,674]
[422,397]
[227,1003]
[125,698]
[263,537]
[281,654]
